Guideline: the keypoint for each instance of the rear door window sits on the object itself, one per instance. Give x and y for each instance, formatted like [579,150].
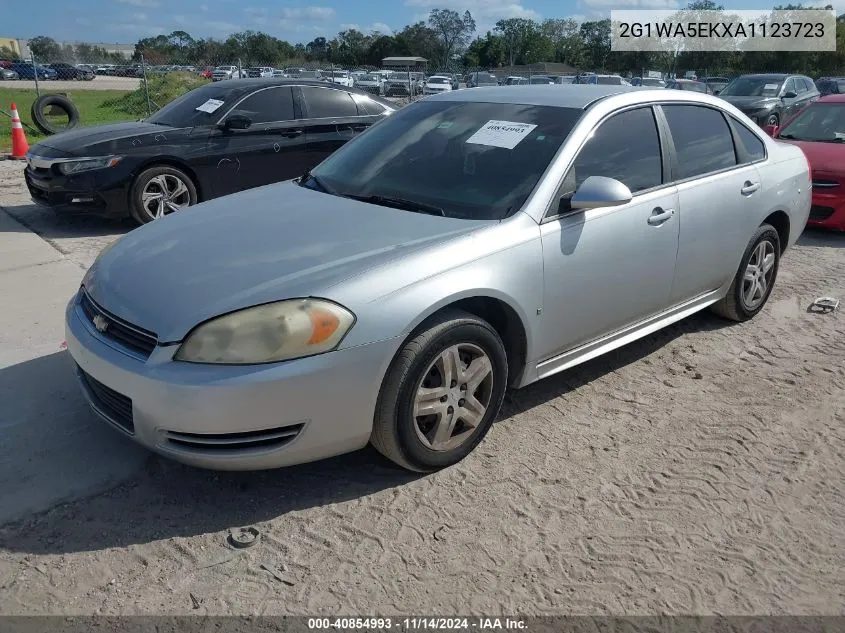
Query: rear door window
[326,103]
[268,106]
[702,138]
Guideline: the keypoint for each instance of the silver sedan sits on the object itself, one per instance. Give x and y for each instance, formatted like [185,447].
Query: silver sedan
[472,241]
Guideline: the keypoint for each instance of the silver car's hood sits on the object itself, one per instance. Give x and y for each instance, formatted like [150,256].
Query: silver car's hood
[261,245]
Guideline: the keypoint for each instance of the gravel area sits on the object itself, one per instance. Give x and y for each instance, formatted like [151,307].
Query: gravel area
[697,471]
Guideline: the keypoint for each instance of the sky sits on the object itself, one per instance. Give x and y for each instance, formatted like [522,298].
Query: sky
[125,21]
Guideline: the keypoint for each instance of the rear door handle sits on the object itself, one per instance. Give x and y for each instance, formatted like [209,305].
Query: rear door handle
[292,133]
[749,187]
[659,216]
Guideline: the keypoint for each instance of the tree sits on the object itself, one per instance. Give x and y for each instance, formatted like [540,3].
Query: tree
[45,48]
[417,40]
[453,32]
[7,53]
[596,38]
[515,33]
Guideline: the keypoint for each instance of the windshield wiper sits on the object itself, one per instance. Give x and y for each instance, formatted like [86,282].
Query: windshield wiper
[309,176]
[789,136]
[399,203]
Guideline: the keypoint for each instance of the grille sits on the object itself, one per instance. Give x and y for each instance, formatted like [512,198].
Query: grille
[114,329]
[818,212]
[114,406]
[231,442]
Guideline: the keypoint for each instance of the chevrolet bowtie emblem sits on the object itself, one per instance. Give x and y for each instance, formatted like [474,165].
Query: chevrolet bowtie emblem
[100,323]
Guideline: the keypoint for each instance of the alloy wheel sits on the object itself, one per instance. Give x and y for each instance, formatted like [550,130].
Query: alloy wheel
[164,194]
[453,397]
[758,275]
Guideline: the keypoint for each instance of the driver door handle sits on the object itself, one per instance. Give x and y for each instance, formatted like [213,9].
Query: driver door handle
[659,216]
[749,187]
[292,133]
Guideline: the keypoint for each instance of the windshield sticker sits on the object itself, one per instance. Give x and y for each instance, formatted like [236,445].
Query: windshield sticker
[210,106]
[770,87]
[505,134]
[839,136]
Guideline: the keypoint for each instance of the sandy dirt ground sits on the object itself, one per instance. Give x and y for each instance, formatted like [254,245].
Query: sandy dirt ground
[698,471]
[98,83]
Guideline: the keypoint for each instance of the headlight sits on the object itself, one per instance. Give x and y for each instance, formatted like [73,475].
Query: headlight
[268,333]
[87,164]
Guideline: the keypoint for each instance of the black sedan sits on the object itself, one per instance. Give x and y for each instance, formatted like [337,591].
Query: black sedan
[770,99]
[218,139]
[69,71]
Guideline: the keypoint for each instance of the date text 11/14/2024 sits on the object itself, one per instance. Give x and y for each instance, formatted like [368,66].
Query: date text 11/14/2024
[416,624]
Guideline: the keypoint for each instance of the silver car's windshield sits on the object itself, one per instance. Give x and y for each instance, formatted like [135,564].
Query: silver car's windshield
[469,160]
[759,86]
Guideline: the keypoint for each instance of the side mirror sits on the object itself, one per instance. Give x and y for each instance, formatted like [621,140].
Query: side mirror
[237,122]
[789,95]
[772,130]
[597,192]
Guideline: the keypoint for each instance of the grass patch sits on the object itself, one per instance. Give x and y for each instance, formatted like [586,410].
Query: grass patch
[92,106]
[163,89]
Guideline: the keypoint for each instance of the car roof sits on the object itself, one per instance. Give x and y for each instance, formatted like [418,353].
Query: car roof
[768,75]
[831,99]
[561,96]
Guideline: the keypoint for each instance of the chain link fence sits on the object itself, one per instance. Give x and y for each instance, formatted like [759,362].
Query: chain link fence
[114,93]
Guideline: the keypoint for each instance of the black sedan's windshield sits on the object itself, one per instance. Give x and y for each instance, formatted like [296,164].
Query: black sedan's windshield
[202,106]
[823,122]
[757,86]
[470,160]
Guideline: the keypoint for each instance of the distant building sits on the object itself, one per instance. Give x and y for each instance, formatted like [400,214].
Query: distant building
[21,47]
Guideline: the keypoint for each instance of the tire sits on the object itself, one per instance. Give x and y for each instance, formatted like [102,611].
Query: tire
[411,442]
[55,101]
[734,305]
[155,180]
[773,119]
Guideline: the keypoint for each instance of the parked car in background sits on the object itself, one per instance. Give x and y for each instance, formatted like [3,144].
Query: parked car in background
[8,75]
[391,294]
[90,67]
[603,80]
[104,69]
[371,82]
[69,71]
[565,79]
[215,140]
[687,84]
[28,71]
[339,77]
[830,86]
[770,99]
[481,79]
[402,85]
[515,81]
[648,82]
[540,80]
[309,74]
[206,72]
[437,84]
[715,84]
[819,130]
[224,72]
[259,71]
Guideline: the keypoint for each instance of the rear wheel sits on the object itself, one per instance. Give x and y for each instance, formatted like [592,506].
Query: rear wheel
[441,394]
[755,278]
[159,191]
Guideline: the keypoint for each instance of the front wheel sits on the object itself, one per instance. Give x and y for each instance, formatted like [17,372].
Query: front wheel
[773,119]
[441,393]
[159,191]
[755,278]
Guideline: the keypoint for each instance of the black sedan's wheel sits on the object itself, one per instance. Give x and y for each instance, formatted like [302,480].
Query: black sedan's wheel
[441,394]
[159,191]
[773,119]
[755,278]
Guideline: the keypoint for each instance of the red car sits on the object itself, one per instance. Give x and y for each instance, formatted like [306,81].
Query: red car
[819,130]
[206,73]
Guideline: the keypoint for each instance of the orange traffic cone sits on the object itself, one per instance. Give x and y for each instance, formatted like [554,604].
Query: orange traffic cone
[19,145]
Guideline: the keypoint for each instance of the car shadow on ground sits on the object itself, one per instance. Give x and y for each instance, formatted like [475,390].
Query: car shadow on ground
[821,237]
[167,499]
[66,222]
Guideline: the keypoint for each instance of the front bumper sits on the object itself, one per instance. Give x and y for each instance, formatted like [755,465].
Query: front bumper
[828,210]
[106,193]
[231,417]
